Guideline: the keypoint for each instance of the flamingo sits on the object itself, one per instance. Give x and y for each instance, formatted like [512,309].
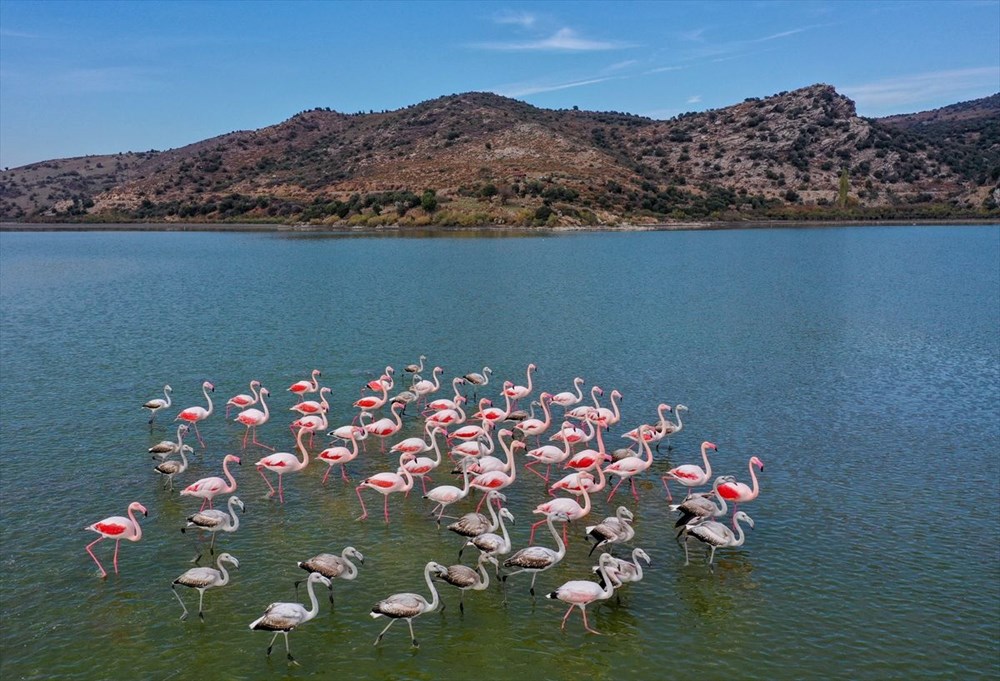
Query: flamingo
[537,426]
[357,431]
[194,414]
[385,380]
[491,543]
[616,529]
[386,427]
[406,606]
[119,528]
[481,460]
[242,400]
[583,410]
[415,445]
[300,388]
[480,448]
[404,398]
[586,459]
[215,521]
[631,466]
[574,434]
[282,618]
[739,492]
[332,566]
[165,448]
[667,428]
[471,432]
[169,469]
[570,507]
[251,418]
[202,578]
[310,424]
[208,488]
[498,480]
[487,412]
[478,379]
[467,579]
[370,402]
[605,417]
[475,524]
[445,495]
[547,454]
[423,387]
[581,593]
[700,507]
[385,484]
[158,403]
[448,417]
[569,399]
[691,475]
[341,455]
[575,483]
[516,392]
[626,571]
[717,535]
[445,403]
[422,465]
[312,406]
[654,433]
[535,559]
[415,368]
[284,462]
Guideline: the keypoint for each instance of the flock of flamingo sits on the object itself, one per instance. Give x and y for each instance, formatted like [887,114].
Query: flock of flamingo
[471,444]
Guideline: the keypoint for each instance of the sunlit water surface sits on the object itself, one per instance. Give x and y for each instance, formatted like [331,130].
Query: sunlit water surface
[861,364]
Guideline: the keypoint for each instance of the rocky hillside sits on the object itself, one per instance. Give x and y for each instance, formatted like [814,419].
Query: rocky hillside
[478,158]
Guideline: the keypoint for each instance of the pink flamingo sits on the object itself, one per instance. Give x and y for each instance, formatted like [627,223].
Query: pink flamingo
[516,392]
[571,507]
[300,388]
[575,483]
[284,462]
[445,495]
[447,417]
[311,424]
[253,417]
[158,403]
[690,475]
[581,593]
[605,417]
[586,459]
[654,433]
[385,380]
[739,492]
[569,399]
[422,465]
[386,427]
[498,480]
[355,430]
[487,412]
[385,484]
[471,432]
[209,488]
[194,414]
[423,387]
[581,411]
[631,466]
[574,434]
[242,401]
[119,528]
[476,449]
[370,402]
[341,455]
[547,454]
[445,403]
[312,406]
[415,445]
[537,426]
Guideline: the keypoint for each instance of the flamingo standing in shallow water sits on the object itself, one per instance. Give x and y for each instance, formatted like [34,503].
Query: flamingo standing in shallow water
[300,388]
[474,524]
[310,424]
[415,368]
[385,484]
[284,462]
[516,392]
[699,507]
[406,606]
[445,495]
[717,535]
[341,455]
[194,414]
[739,492]
[333,567]
[465,578]
[444,402]
[369,402]
[208,488]
[616,529]
[477,379]
[570,507]
[169,469]
[386,427]
[581,593]
[242,400]
[158,403]
[281,618]
[570,398]
[202,578]
[165,448]
[421,466]
[535,559]
[691,475]
[215,521]
[118,528]
[251,418]
[308,407]
[498,479]
[630,466]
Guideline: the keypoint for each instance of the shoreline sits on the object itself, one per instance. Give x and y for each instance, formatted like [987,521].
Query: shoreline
[485,229]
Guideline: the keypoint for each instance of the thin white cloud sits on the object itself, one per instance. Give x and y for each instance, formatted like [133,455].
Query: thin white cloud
[923,87]
[695,36]
[618,66]
[695,99]
[522,19]
[563,40]
[7,33]
[525,90]
[663,69]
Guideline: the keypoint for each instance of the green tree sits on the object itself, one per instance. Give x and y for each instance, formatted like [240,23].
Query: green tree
[429,200]
[842,191]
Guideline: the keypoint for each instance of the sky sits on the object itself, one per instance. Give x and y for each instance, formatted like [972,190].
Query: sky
[80,78]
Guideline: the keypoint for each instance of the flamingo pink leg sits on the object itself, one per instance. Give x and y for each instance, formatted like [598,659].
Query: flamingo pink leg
[343,472]
[364,511]
[117,542]
[326,475]
[386,508]
[103,572]
[269,486]
[615,489]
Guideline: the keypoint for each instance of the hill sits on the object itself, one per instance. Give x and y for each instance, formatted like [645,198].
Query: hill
[478,158]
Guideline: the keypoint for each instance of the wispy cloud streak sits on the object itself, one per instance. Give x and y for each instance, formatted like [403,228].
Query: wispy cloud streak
[922,87]
[563,40]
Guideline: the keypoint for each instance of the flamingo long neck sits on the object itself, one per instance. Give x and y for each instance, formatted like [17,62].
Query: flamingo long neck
[529,377]
[204,390]
[396,413]
[738,529]
[302,448]
[229,476]
[548,415]
[352,569]
[601,481]
[135,524]
[503,531]
[704,457]
[614,406]
[315,380]
[254,390]
[465,481]
[578,386]
[166,396]
[236,519]
[560,544]
[437,450]
[662,423]
[609,585]
[585,509]
[430,607]
[407,480]
[723,505]
[181,429]
[263,404]
[753,476]
[454,386]
[648,461]
[677,415]
[494,521]
[593,394]
[184,460]
[600,445]
[222,571]
[484,576]
[322,399]
[637,564]
[313,603]
[435,377]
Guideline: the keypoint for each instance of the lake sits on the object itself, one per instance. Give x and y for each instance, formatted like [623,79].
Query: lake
[861,364]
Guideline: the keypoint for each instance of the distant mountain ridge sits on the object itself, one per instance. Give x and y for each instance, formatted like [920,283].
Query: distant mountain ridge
[482,159]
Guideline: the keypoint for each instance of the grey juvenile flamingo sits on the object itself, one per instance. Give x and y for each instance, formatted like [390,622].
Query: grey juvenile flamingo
[406,606]
[281,618]
[202,578]
[333,567]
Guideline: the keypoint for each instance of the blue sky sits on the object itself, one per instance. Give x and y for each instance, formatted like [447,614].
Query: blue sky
[80,78]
